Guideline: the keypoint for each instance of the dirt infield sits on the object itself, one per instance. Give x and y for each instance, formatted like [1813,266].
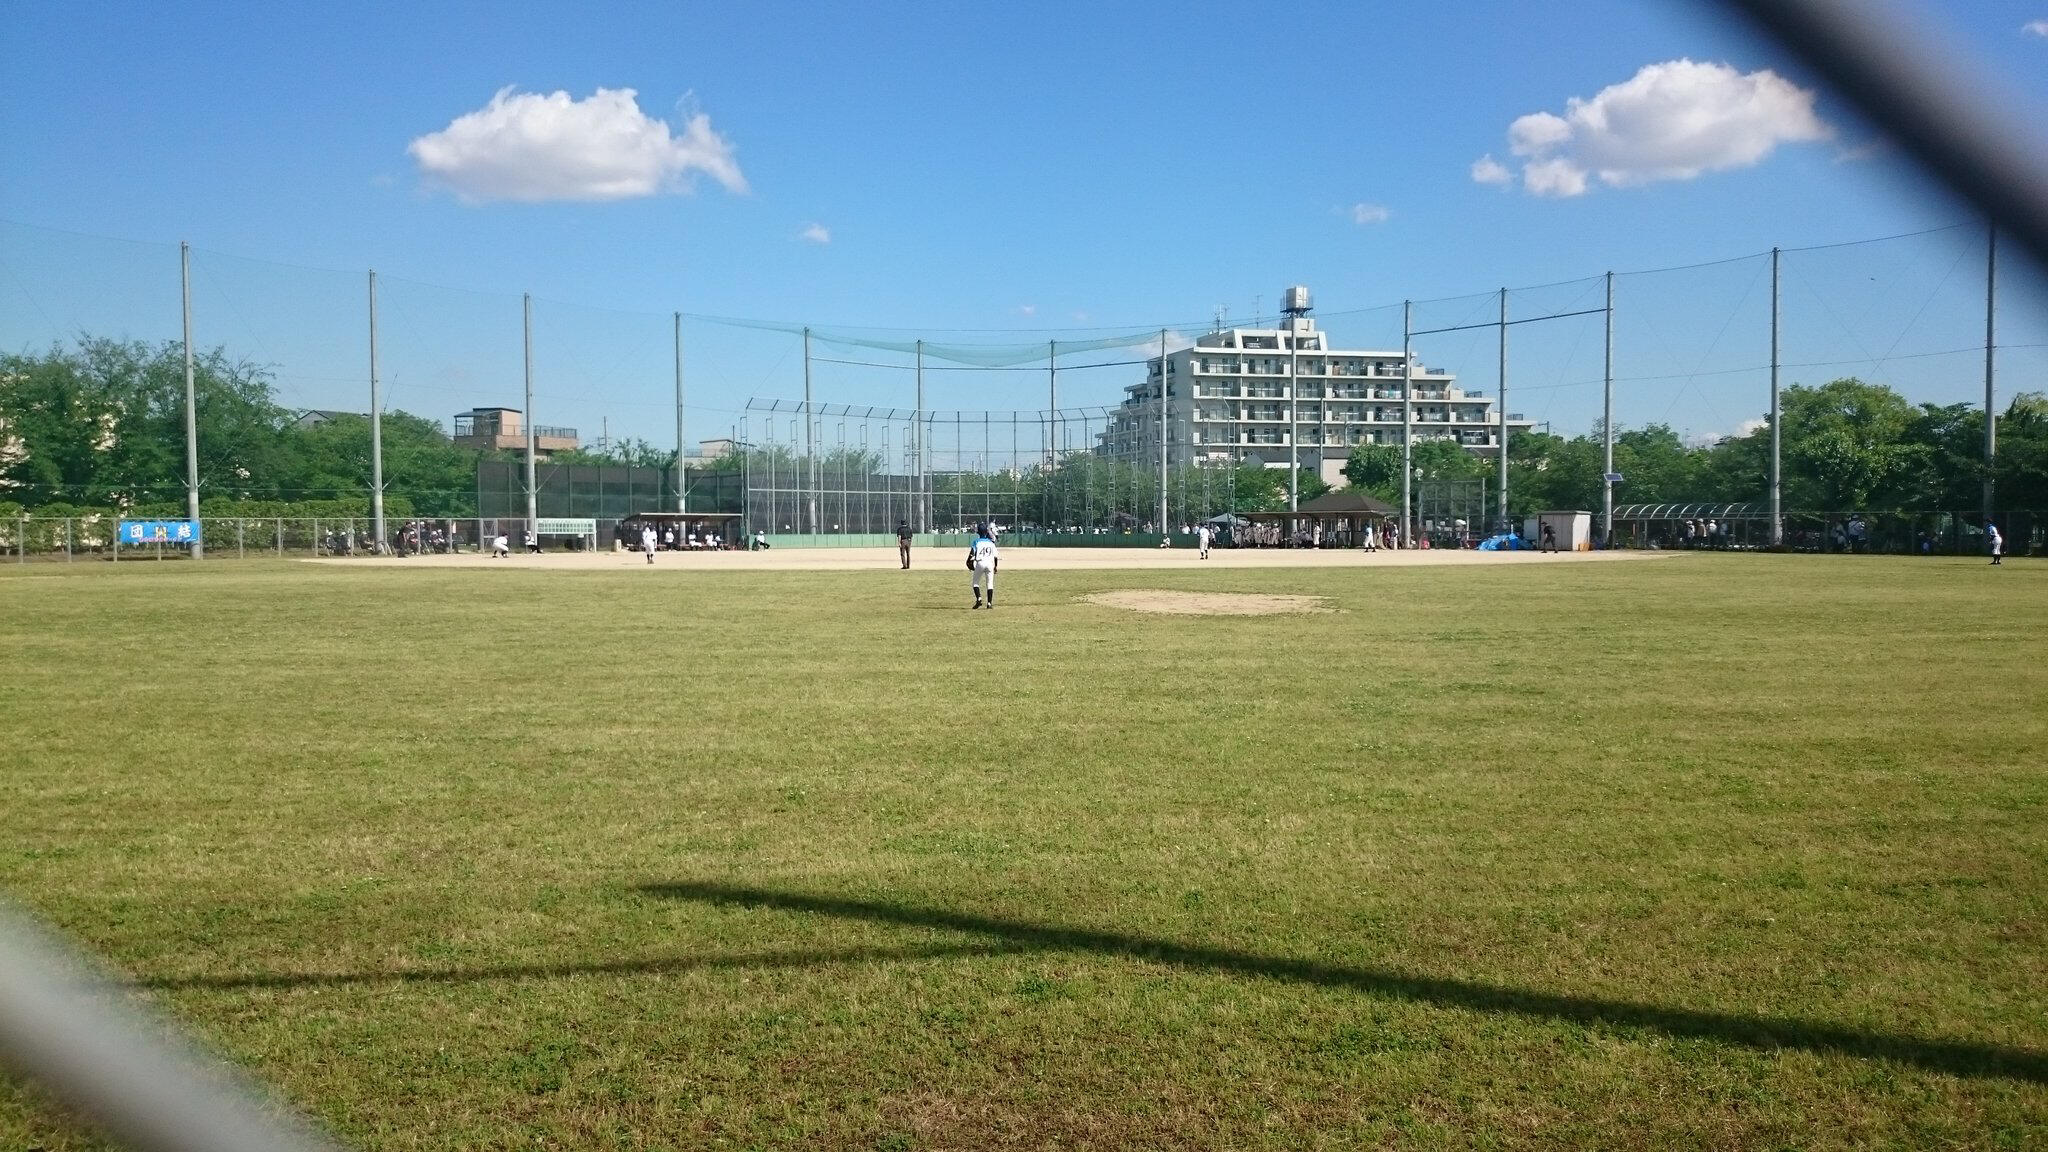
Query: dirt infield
[1015,559]
[1206,603]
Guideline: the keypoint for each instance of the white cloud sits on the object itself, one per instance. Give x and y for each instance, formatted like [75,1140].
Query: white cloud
[1487,170]
[531,148]
[1670,121]
[1558,177]
[1370,214]
[2035,28]
[816,234]
[1027,309]
[1538,132]
[1752,425]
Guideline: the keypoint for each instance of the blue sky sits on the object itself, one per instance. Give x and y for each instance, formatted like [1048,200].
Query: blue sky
[983,167]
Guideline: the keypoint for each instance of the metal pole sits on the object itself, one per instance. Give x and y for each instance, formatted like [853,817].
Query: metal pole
[376,430]
[191,404]
[1407,422]
[1052,402]
[683,480]
[532,496]
[810,455]
[917,446]
[1293,427]
[1162,430]
[1607,428]
[1777,431]
[1504,410]
[1990,361]
[67,539]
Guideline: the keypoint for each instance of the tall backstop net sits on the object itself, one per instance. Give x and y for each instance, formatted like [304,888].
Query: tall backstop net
[853,469]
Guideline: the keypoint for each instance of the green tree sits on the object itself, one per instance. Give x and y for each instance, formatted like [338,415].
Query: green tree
[1376,469]
[103,422]
[2023,453]
[1949,470]
[1845,446]
[434,474]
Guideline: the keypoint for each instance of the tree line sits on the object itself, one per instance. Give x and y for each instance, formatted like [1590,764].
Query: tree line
[1846,446]
[100,425]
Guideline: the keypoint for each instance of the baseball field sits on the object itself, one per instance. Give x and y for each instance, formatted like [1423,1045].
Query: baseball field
[1704,851]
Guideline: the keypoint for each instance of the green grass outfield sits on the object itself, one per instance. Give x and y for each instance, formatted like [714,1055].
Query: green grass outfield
[1714,851]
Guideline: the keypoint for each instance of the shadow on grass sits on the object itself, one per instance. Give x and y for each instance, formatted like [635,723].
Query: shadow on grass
[650,966]
[1957,1058]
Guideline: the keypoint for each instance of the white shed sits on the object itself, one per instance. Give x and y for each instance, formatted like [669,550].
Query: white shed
[1574,530]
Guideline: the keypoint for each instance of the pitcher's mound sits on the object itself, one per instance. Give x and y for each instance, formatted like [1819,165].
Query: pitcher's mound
[1206,603]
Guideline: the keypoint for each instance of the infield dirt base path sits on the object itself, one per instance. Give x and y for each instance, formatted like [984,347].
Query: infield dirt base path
[1017,559]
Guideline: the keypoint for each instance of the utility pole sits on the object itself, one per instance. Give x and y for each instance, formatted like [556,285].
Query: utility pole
[532,493]
[376,429]
[1777,431]
[1407,420]
[682,478]
[1607,428]
[1990,362]
[191,410]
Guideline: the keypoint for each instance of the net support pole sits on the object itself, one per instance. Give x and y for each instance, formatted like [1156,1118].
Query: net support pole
[1293,427]
[376,429]
[1990,363]
[1503,457]
[1407,422]
[683,478]
[1052,402]
[532,435]
[1162,431]
[810,473]
[191,403]
[923,514]
[1777,430]
[1607,427]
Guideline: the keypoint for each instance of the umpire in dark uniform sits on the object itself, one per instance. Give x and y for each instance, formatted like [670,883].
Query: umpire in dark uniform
[903,542]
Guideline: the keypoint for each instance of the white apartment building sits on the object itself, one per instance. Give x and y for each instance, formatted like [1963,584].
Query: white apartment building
[1244,393]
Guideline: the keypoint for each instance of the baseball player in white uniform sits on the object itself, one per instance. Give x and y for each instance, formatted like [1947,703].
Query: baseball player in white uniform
[647,541]
[982,561]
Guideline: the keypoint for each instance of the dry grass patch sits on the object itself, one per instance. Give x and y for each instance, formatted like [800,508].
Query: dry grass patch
[1207,603]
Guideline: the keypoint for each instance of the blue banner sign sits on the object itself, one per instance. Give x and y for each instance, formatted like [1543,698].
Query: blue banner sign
[159,531]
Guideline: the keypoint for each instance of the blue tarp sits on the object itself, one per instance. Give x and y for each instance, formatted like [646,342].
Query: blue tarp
[1506,542]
